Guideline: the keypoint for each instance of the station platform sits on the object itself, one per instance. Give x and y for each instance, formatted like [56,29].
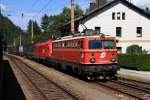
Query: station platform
[143,76]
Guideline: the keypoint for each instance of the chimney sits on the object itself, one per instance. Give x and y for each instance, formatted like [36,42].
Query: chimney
[93,6]
[101,3]
[96,4]
[93,1]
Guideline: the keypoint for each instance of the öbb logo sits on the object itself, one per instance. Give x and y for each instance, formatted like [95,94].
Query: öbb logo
[103,55]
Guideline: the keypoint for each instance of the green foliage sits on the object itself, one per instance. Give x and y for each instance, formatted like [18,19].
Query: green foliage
[51,25]
[45,23]
[134,49]
[36,31]
[36,28]
[42,38]
[9,30]
[137,62]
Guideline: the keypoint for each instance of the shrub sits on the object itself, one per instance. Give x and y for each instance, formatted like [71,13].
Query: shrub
[134,49]
[137,61]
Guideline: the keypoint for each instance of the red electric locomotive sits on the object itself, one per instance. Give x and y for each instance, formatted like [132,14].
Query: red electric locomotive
[43,50]
[90,56]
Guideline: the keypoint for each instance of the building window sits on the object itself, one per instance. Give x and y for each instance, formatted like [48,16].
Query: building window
[139,31]
[113,16]
[119,49]
[98,29]
[118,31]
[123,16]
[118,15]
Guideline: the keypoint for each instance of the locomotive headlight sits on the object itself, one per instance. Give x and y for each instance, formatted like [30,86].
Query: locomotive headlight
[92,59]
[113,59]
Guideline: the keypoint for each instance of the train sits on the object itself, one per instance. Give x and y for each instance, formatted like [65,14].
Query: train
[89,56]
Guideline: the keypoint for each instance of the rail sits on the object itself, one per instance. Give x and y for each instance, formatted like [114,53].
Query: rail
[47,88]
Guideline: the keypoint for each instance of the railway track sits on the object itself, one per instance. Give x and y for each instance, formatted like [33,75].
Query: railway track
[43,87]
[139,90]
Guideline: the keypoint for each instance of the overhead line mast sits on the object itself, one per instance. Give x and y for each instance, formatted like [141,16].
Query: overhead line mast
[72,17]
[0,10]
[32,32]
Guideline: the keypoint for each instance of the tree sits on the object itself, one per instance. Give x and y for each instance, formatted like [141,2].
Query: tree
[51,25]
[57,21]
[45,23]
[29,26]
[36,30]
[9,30]
[78,11]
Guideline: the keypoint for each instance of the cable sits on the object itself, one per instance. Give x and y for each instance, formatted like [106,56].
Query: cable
[33,4]
[45,6]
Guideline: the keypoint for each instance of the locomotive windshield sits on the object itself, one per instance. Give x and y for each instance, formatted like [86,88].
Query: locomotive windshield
[95,44]
[109,44]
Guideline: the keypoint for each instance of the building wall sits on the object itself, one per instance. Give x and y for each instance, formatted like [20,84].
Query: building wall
[129,25]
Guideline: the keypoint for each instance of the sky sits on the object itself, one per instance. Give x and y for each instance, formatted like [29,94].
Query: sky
[35,9]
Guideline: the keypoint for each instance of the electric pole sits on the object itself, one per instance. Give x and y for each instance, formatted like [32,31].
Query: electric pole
[31,31]
[0,10]
[22,27]
[20,39]
[72,16]
[14,42]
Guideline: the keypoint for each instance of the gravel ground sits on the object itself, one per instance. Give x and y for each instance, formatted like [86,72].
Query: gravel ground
[86,90]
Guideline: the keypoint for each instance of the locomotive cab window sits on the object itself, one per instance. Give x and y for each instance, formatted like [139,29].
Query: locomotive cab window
[95,44]
[109,44]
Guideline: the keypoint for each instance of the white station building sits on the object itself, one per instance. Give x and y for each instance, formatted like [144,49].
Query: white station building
[123,20]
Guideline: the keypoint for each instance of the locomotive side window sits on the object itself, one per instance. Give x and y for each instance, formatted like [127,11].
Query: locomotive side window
[63,44]
[109,44]
[95,44]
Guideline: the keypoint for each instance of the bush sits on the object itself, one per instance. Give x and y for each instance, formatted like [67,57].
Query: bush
[134,49]
[136,62]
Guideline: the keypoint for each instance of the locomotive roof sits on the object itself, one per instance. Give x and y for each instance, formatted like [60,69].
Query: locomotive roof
[82,37]
[42,43]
